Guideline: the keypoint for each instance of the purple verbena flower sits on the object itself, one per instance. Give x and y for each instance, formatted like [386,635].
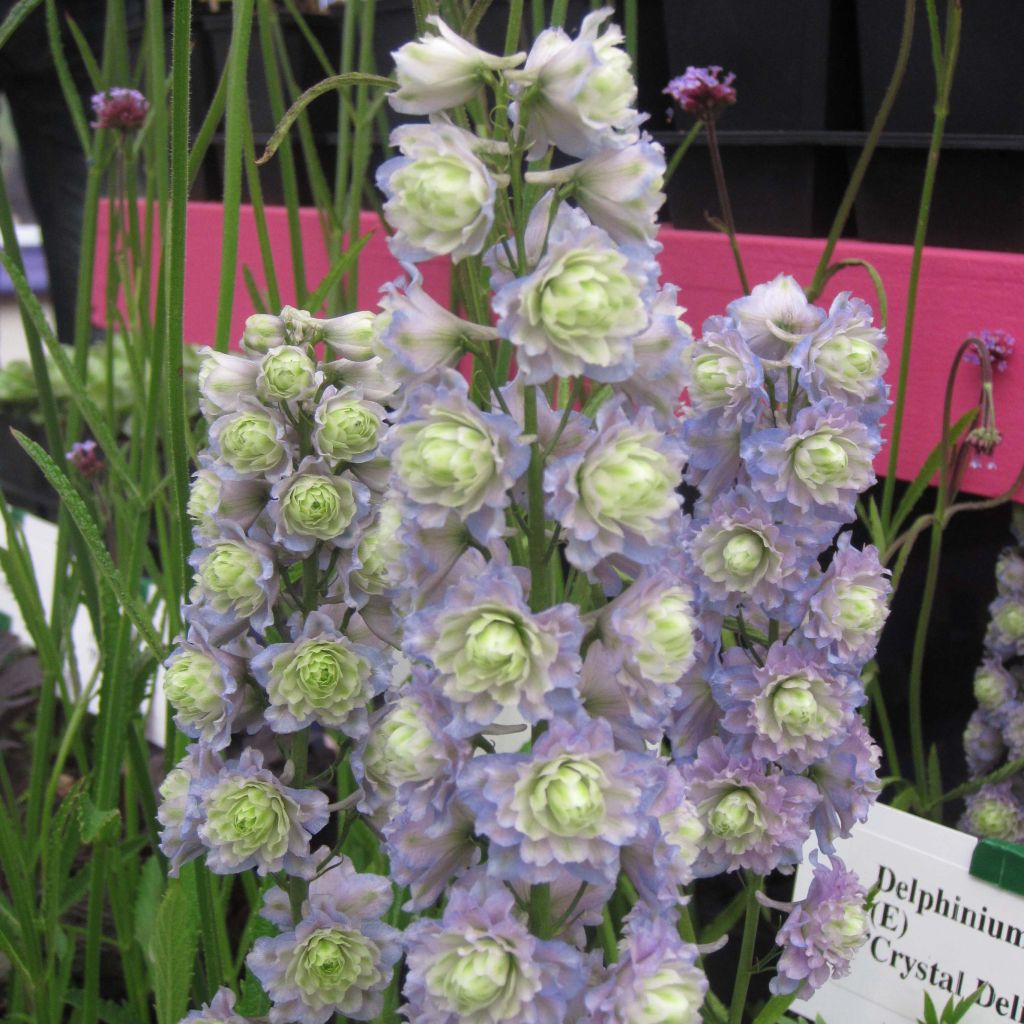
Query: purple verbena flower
[86,458]
[703,92]
[1000,345]
[119,108]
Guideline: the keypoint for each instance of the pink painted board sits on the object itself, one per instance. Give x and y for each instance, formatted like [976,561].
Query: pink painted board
[961,291]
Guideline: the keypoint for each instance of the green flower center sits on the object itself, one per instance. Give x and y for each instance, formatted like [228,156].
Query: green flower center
[860,608]
[666,997]
[202,499]
[327,672]
[318,507]
[989,689]
[249,443]
[794,705]
[847,931]
[737,814]
[567,796]
[231,572]
[250,815]
[348,429]
[477,979]
[1010,619]
[630,484]
[442,192]
[713,374]
[330,962]
[494,651]
[743,552]
[993,819]
[287,373]
[821,459]
[848,360]
[192,684]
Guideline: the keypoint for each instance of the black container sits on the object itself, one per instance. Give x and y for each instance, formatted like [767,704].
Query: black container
[988,85]
[795,60]
[978,201]
[790,188]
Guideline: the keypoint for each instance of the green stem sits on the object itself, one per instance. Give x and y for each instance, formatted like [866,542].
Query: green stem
[954,18]
[723,198]
[606,933]
[540,910]
[745,966]
[677,156]
[535,506]
[861,167]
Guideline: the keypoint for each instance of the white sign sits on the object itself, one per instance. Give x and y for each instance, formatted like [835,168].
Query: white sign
[934,929]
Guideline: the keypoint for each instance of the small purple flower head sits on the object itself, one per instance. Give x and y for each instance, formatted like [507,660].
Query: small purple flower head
[322,676]
[86,458]
[219,1010]
[824,931]
[491,652]
[121,109]
[479,964]
[1000,345]
[849,607]
[204,683]
[314,506]
[703,92]
[844,358]
[581,305]
[252,820]
[179,813]
[848,784]
[994,812]
[793,709]
[337,959]
[819,465]
[723,374]
[1010,572]
[655,979]
[775,317]
[572,802]
[617,495]
[994,685]
[235,580]
[753,818]
[662,860]
[742,556]
[447,455]
[984,746]
[1005,634]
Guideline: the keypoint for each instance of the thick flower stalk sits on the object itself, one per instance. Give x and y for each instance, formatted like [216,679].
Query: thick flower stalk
[600,698]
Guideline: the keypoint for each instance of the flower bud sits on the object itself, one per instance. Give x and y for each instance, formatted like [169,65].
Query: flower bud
[249,442]
[567,797]
[247,816]
[224,380]
[667,997]
[1009,619]
[474,980]
[735,815]
[203,499]
[743,553]
[300,326]
[318,506]
[821,459]
[352,336]
[848,362]
[194,687]
[262,333]
[794,705]
[286,374]
[713,374]
[346,428]
[860,609]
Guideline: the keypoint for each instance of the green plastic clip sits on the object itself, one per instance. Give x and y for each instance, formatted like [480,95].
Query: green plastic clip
[999,862]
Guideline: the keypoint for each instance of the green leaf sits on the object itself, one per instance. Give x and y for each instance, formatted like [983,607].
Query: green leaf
[18,13]
[173,952]
[934,777]
[774,1009]
[335,273]
[928,469]
[253,1002]
[108,1011]
[96,826]
[91,535]
[147,902]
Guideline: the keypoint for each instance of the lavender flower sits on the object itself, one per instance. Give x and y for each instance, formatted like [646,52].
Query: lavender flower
[121,109]
[1005,634]
[753,818]
[252,820]
[570,803]
[252,442]
[819,465]
[994,685]
[479,964]
[792,711]
[1011,716]
[213,500]
[703,92]
[695,716]
[491,653]
[179,813]
[321,676]
[603,695]
[655,979]
[338,958]
[995,812]
[774,317]
[824,931]
[617,495]
[440,192]
[581,305]
[984,746]
[447,454]
[723,375]
[219,1010]
[1010,572]
[1000,345]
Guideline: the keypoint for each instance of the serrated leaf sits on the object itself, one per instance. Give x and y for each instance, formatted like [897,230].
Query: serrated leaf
[173,952]
[147,903]
[96,825]
[253,1002]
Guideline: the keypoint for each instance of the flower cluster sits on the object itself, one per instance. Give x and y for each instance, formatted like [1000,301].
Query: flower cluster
[994,736]
[119,108]
[600,699]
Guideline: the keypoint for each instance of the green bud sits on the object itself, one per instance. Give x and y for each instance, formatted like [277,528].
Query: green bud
[994,819]
[286,374]
[475,979]
[712,374]
[194,687]
[330,962]
[400,749]
[203,498]
[249,816]
[566,796]
[353,335]
[989,689]
[300,326]
[1010,620]
[737,814]
[821,459]
[249,444]
[441,195]
[794,705]
[347,428]
[848,361]
[860,609]
[668,641]
[743,553]
[318,506]
[629,483]
[230,577]
[666,997]
[262,332]
[495,652]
